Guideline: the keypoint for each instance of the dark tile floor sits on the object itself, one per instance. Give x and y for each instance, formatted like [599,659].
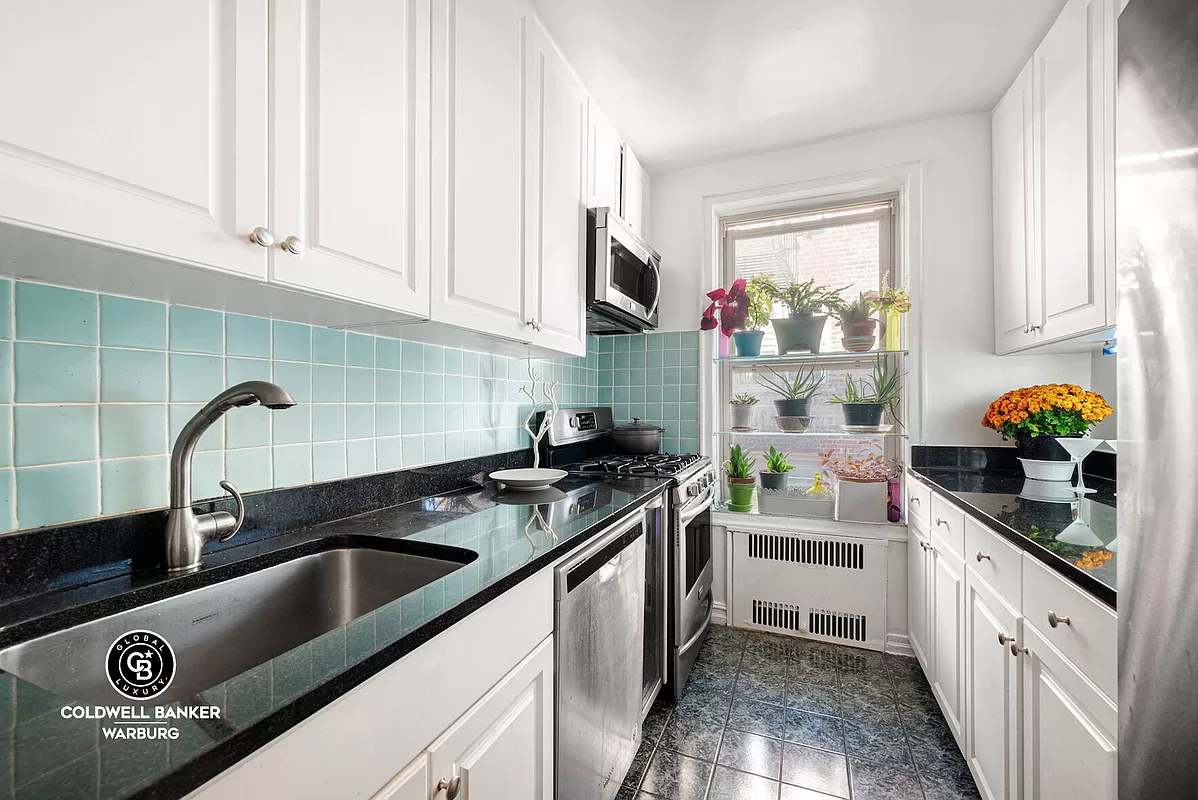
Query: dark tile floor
[777,718]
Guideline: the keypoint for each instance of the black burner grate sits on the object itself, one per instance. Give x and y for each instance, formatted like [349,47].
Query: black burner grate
[662,464]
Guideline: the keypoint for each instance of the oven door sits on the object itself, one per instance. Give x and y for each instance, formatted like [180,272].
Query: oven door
[624,273]
[693,572]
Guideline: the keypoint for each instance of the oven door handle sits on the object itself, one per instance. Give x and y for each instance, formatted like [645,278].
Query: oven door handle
[685,519]
[691,642]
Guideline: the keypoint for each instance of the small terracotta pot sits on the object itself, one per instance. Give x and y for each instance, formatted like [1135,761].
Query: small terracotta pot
[863,328]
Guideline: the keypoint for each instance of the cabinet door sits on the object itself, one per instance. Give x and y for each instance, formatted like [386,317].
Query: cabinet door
[918,557]
[1069,728]
[346,149]
[603,169]
[556,246]
[502,748]
[410,784]
[947,629]
[1070,84]
[138,125]
[991,691]
[479,53]
[1016,291]
[632,194]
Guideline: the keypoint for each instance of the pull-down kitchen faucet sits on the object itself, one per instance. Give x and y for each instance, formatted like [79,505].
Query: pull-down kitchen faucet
[187,531]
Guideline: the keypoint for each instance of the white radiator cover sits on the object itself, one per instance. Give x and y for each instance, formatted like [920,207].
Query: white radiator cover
[816,586]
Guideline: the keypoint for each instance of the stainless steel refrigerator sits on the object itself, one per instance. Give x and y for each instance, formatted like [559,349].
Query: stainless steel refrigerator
[1157,230]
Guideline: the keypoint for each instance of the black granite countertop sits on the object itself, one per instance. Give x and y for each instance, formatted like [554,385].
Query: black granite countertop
[1076,538]
[514,536]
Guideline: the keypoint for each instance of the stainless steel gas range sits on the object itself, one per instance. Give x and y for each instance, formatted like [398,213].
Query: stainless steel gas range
[678,567]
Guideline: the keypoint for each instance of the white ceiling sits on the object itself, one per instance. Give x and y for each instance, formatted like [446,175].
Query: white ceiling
[690,82]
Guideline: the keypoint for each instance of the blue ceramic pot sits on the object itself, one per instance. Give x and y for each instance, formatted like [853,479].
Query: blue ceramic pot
[748,343]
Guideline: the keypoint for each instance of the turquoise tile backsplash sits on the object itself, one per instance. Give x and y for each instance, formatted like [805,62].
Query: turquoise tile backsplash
[95,388]
[655,378]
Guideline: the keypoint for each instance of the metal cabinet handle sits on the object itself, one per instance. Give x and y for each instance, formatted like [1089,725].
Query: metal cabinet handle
[983,557]
[262,237]
[450,787]
[1016,649]
[926,547]
[1037,328]
[231,489]
[1004,640]
[915,501]
[1054,620]
[293,245]
[1027,328]
[943,522]
[532,323]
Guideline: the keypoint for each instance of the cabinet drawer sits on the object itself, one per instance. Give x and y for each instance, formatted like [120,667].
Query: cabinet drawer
[948,522]
[919,498]
[997,562]
[1088,639]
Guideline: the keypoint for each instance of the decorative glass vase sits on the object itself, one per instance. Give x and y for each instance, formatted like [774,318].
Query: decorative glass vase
[894,330]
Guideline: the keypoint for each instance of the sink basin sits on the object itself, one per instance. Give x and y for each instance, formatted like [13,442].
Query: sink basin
[222,630]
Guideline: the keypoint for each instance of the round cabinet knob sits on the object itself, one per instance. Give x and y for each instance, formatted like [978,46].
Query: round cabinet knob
[940,522]
[1004,640]
[262,237]
[293,245]
[450,787]
[1016,649]
[1054,620]
[982,557]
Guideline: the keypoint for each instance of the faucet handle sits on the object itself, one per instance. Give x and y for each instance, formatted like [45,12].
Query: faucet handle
[231,489]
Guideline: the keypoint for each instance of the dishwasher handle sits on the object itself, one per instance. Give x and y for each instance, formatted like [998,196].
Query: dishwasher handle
[598,552]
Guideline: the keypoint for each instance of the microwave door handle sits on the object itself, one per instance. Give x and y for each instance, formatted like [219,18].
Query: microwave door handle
[657,294]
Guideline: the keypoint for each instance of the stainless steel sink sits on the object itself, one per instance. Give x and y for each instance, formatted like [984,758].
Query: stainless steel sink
[222,630]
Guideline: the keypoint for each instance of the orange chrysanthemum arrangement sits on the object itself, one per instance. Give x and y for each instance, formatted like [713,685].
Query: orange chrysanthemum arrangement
[1053,409]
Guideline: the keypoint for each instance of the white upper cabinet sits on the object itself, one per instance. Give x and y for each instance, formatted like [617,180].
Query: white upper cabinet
[1066,286]
[603,162]
[344,149]
[479,89]
[138,125]
[634,190]
[555,249]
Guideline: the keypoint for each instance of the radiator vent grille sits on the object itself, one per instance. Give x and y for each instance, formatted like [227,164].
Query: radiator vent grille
[816,552]
[836,625]
[783,616]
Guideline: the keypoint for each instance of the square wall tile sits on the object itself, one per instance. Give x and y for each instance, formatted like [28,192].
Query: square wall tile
[247,336]
[388,386]
[7,521]
[389,453]
[388,353]
[328,384]
[197,330]
[328,346]
[52,314]
[292,426]
[359,456]
[5,372]
[132,430]
[328,461]
[413,450]
[359,421]
[5,309]
[125,322]
[181,413]
[55,434]
[130,484]
[196,379]
[249,470]
[5,436]
[132,376]
[292,464]
[51,373]
[359,350]
[328,422]
[387,419]
[240,370]
[295,378]
[248,426]
[63,493]
[434,358]
[412,389]
[359,385]
[292,341]
[207,471]
[413,356]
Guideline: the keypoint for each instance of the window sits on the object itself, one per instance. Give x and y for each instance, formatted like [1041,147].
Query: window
[847,247]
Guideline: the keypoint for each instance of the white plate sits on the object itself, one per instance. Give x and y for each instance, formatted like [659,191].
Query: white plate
[527,480]
[868,428]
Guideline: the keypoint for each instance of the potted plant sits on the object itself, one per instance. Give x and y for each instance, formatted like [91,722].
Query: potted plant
[862,485]
[808,304]
[760,291]
[796,394]
[730,306]
[743,406]
[892,302]
[774,475]
[1035,415]
[865,399]
[739,469]
[856,325]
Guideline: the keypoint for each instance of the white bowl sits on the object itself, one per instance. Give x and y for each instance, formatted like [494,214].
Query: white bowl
[1048,470]
[527,480]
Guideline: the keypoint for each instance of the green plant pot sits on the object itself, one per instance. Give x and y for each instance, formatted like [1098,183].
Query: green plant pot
[740,493]
[773,480]
[793,407]
[795,334]
[748,343]
[867,415]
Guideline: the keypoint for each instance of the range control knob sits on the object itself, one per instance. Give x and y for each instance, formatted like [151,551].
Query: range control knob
[692,490]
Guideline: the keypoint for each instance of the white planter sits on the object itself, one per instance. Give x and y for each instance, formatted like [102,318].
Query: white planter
[1048,470]
[742,417]
[794,503]
[857,501]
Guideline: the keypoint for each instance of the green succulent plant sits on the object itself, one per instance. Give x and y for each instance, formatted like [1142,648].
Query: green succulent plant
[805,384]
[776,461]
[739,463]
[745,399]
[884,386]
[856,311]
[807,298]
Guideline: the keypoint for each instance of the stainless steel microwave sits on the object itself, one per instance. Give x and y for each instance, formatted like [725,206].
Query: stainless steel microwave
[623,276]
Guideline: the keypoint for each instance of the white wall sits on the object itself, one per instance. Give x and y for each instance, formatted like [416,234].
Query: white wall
[1104,379]
[955,310]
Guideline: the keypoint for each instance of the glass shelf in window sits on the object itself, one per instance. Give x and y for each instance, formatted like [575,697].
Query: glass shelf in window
[818,434]
[798,358]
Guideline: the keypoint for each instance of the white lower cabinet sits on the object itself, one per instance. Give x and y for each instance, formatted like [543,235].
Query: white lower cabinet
[412,782]
[947,631]
[1069,728]
[919,559]
[991,690]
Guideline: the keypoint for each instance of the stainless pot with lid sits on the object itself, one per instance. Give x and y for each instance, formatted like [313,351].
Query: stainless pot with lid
[638,439]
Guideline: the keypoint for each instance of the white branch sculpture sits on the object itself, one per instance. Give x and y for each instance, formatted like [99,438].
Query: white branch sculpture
[550,393]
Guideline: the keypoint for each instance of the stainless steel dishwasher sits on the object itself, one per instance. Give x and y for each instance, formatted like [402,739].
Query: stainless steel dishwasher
[599,633]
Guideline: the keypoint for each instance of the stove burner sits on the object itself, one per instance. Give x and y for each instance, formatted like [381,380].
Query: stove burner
[660,464]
